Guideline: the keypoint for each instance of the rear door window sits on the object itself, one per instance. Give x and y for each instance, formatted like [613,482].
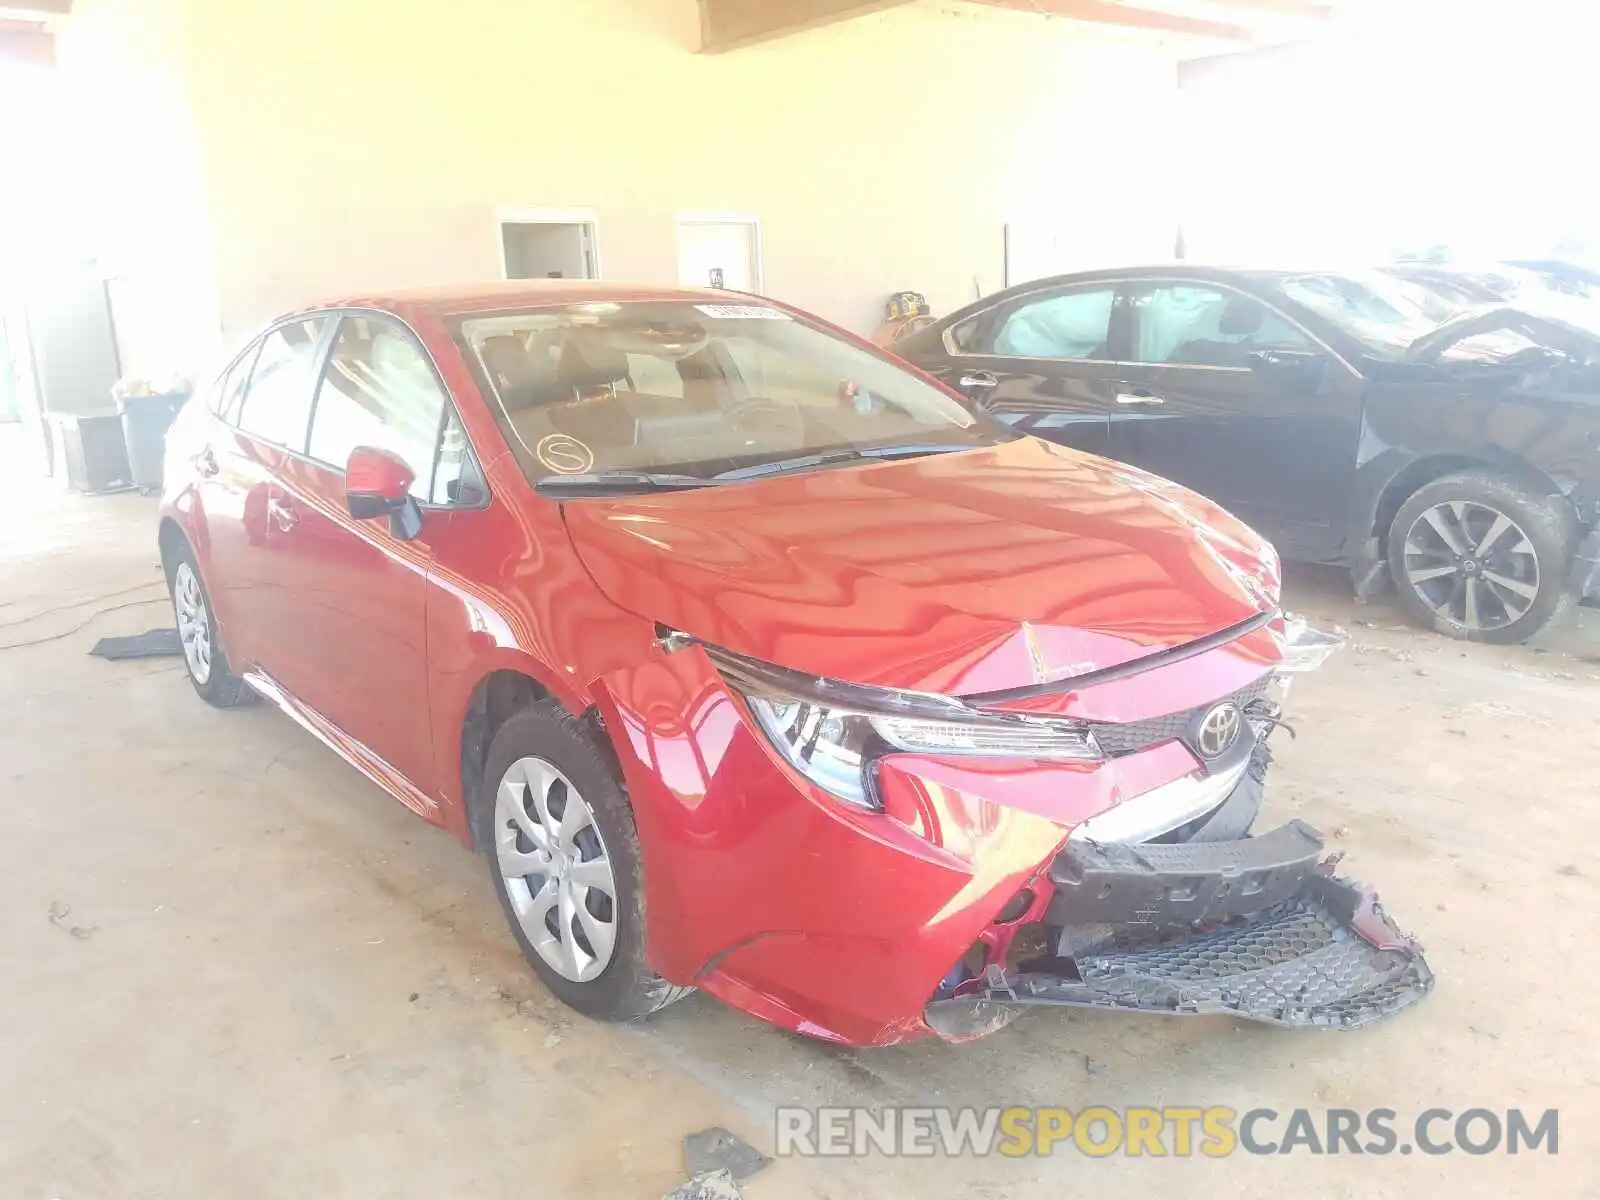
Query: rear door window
[277,406]
[229,388]
[1062,325]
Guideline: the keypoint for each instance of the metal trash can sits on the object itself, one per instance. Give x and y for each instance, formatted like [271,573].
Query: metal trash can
[145,421]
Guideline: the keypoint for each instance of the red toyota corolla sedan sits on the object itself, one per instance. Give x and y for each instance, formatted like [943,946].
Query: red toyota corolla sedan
[756,662]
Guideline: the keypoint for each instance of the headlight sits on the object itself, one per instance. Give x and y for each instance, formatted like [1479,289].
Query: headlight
[833,732]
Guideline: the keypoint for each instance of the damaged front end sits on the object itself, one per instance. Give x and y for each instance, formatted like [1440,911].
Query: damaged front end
[1197,919]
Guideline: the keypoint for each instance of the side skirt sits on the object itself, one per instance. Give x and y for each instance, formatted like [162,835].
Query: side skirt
[346,747]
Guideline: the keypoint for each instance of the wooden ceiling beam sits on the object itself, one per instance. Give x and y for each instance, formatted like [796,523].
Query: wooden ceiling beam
[729,24]
[1107,12]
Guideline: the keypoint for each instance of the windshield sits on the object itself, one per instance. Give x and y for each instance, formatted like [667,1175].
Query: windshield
[1385,314]
[679,393]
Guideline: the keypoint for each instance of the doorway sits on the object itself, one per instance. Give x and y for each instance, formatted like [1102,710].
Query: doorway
[720,252]
[549,249]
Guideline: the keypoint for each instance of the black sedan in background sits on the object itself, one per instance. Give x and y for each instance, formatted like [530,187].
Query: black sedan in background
[1352,418]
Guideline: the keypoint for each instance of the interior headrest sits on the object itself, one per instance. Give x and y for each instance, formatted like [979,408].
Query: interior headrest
[1241,318]
[507,360]
[589,363]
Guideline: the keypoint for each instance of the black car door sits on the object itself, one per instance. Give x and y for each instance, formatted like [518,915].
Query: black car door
[1227,396]
[1041,362]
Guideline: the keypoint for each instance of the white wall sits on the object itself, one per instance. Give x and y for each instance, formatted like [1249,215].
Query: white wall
[369,144]
[127,179]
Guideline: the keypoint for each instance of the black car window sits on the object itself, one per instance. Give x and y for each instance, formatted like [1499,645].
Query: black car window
[1183,324]
[1074,324]
[279,398]
[963,337]
[379,389]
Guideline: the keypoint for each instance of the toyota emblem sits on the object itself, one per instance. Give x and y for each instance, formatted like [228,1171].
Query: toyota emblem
[1219,730]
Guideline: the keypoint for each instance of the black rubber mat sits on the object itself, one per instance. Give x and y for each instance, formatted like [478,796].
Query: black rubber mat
[156,643]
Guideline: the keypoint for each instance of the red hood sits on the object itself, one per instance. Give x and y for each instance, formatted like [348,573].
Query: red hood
[958,573]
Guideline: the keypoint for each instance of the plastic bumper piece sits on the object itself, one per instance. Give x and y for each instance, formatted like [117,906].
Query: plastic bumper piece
[1586,567]
[1257,929]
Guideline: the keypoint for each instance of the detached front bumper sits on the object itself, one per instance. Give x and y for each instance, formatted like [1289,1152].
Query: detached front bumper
[1260,928]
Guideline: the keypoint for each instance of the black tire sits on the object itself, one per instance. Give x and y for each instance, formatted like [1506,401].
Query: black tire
[221,688]
[627,989]
[1550,527]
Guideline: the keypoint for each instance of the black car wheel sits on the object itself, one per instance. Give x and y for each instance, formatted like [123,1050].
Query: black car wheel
[564,857]
[1480,557]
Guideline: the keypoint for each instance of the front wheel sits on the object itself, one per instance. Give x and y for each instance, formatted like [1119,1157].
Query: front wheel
[1480,557]
[564,857]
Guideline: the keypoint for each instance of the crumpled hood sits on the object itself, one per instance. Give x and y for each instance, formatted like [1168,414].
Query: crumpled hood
[1017,564]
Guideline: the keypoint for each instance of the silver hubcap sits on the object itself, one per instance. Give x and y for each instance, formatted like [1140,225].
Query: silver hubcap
[556,869]
[1472,565]
[194,622]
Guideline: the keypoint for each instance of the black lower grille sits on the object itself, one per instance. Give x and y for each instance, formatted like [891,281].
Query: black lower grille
[1116,740]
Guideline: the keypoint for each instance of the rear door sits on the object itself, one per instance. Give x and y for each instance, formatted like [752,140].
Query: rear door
[1041,362]
[261,414]
[230,527]
[270,425]
[1231,398]
[356,595]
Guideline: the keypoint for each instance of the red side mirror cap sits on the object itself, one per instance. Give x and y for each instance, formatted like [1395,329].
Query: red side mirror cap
[376,482]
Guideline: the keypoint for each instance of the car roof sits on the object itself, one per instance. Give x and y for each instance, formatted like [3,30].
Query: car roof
[458,299]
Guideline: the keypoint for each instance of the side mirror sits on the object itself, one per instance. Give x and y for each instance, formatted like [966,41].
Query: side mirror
[377,483]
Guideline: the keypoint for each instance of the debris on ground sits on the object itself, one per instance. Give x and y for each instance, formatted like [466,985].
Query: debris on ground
[59,913]
[715,1149]
[717,1185]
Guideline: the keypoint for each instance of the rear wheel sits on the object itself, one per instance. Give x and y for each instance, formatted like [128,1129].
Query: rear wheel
[203,655]
[1480,557]
[564,857]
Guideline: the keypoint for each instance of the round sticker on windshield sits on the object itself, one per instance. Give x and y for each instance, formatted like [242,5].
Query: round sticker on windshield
[564,455]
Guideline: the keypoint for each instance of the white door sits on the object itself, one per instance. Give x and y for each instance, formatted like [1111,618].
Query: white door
[719,254]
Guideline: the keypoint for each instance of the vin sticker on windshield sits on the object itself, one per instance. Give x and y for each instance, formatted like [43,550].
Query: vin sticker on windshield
[743,312]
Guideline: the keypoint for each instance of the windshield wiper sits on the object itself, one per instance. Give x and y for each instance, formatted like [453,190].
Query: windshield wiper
[829,458]
[611,483]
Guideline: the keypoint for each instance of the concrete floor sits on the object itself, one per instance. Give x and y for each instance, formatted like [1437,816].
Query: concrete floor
[231,967]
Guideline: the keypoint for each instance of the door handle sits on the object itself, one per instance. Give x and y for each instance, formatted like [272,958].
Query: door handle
[206,463]
[1131,399]
[283,515]
[981,381]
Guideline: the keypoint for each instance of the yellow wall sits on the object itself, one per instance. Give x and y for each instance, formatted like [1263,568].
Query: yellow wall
[369,143]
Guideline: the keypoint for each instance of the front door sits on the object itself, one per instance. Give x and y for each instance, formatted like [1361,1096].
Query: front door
[1228,397]
[355,615]
[1042,363]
